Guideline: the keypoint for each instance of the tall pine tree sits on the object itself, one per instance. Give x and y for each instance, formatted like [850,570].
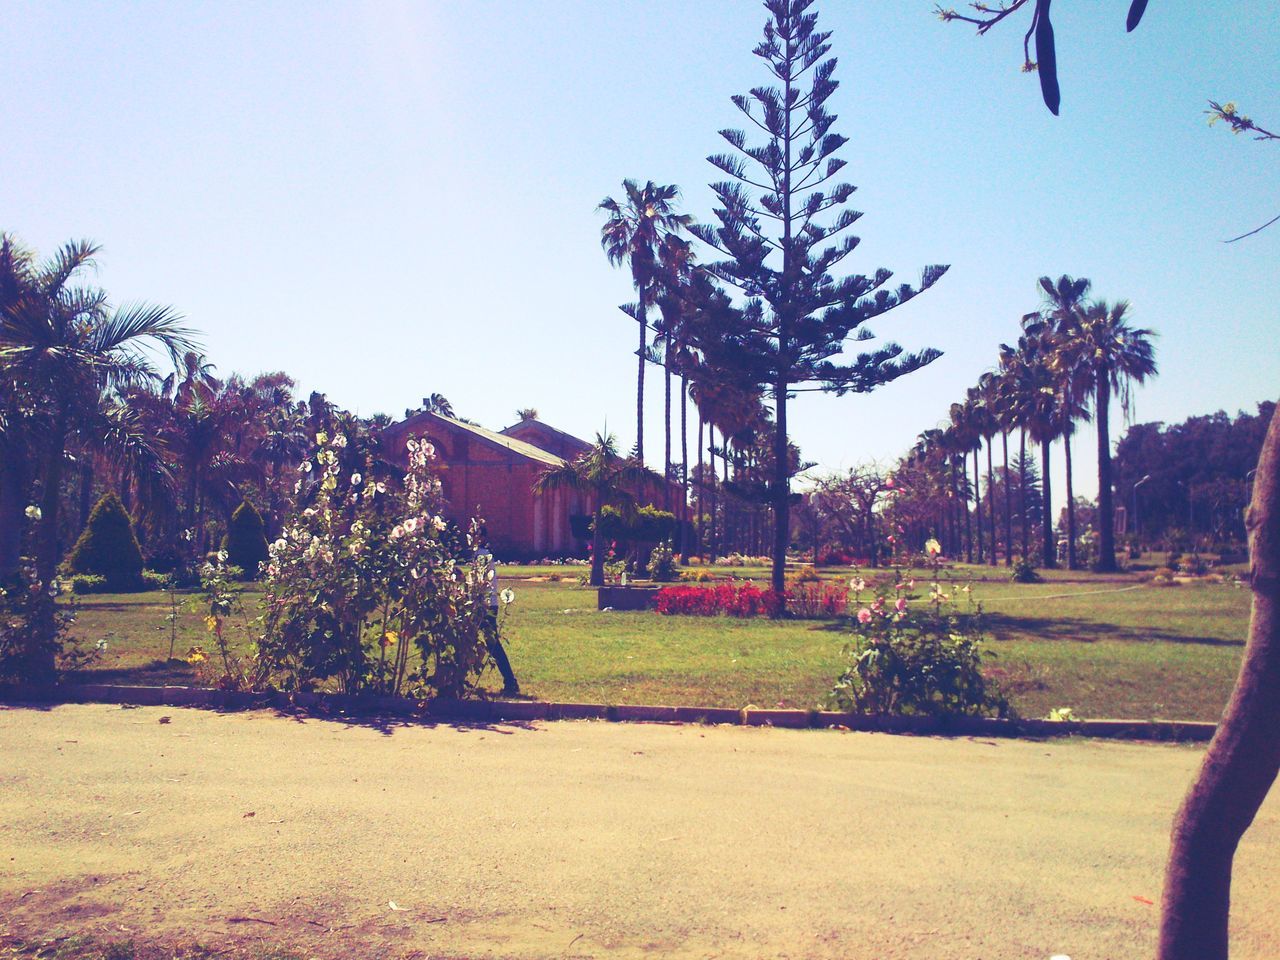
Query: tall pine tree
[782,229]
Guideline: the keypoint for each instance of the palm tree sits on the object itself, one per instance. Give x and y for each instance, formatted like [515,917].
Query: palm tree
[63,344]
[1037,407]
[1055,324]
[1108,356]
[631,235]
[527,413]
[968,440]
[604,478]
[1004,412]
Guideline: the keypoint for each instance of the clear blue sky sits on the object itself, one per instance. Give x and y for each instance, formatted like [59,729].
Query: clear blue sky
[387,199]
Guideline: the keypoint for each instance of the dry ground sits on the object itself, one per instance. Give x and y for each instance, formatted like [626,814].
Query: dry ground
[592,839]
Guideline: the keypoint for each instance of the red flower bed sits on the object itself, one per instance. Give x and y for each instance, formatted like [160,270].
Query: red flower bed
[807,600]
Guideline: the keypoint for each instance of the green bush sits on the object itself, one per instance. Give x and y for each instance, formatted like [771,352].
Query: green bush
[86,583]
[1024,572]
[246,540]
[108,548]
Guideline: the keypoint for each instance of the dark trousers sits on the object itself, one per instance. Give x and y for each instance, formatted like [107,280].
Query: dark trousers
[494,643]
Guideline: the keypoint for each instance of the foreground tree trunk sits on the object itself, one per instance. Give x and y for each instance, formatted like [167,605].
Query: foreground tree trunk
[1243,757]
[991,502]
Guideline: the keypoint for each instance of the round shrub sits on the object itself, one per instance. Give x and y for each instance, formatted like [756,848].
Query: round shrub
[108,547]
[246,540]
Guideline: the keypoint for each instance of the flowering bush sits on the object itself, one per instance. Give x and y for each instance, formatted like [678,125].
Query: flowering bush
[810,601]
[365,573]
[33,627]
[913,658]
[662,563]
[732,599]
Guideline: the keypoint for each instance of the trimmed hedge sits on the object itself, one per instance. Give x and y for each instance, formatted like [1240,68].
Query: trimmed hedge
[246,540]
[108,548]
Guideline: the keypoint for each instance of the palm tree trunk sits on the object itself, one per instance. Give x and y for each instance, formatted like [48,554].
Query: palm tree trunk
[968,520]
[1050,557]
[666,453]
[14,484]
[977,501]
[684,468]
[715,493]
[1071,507]
[643,322]
[991,503]
[1008,503]
[1106,510]
[1244,756]
[597,546]
[702,482]
[1022,493]
[47,551]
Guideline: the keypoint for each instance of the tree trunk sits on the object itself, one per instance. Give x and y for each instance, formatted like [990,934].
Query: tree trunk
[684,468]
[640,379]
[666,452]
[597,547]
[47,551]
[1106,510]
[702,482]
[977,501]
[1071,506]
[968,519]
[1050,557]
[991,503]
[1022,494]
[14,487]
[781,491]
[1243,757]
[714,538]
[1008,503]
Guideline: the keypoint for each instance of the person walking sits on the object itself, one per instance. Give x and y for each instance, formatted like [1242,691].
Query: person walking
[510,686]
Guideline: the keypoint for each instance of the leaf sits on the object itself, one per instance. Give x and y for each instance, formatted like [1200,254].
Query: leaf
[1136,10]
[1047,58]
[392,905]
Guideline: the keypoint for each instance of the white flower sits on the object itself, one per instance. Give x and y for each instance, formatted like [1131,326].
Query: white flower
[397,532]
[355,479]
[222,556]
[410,525]
[380,487]
[507,596]
[428,450]
[412,445]
[34,512]
[340,440]
[280,545]
[305,466]
[439,523]
[858,584]
[932,547]
[321,438]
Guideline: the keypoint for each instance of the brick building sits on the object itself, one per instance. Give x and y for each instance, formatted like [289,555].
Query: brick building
[492,475]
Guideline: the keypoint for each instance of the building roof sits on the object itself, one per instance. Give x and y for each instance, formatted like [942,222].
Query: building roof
[518,447]
[534,423]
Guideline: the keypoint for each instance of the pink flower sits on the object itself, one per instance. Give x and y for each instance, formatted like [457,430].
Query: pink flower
[901,604]
[864,615]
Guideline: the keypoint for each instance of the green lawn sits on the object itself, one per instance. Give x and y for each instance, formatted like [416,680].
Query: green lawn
[1104,646]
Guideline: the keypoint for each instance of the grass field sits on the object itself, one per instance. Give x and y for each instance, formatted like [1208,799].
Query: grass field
[1103,646]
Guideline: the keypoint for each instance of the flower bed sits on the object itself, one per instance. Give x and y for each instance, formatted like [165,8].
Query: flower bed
[804,600]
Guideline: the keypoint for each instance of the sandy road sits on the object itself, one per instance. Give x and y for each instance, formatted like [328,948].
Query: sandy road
[593,839]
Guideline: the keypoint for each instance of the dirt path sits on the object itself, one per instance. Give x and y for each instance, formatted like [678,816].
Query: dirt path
[593,839]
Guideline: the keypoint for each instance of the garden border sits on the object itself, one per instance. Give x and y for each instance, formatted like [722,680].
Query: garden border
[487,711]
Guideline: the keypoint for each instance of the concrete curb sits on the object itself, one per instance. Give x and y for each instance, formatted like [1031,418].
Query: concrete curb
[488,711]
